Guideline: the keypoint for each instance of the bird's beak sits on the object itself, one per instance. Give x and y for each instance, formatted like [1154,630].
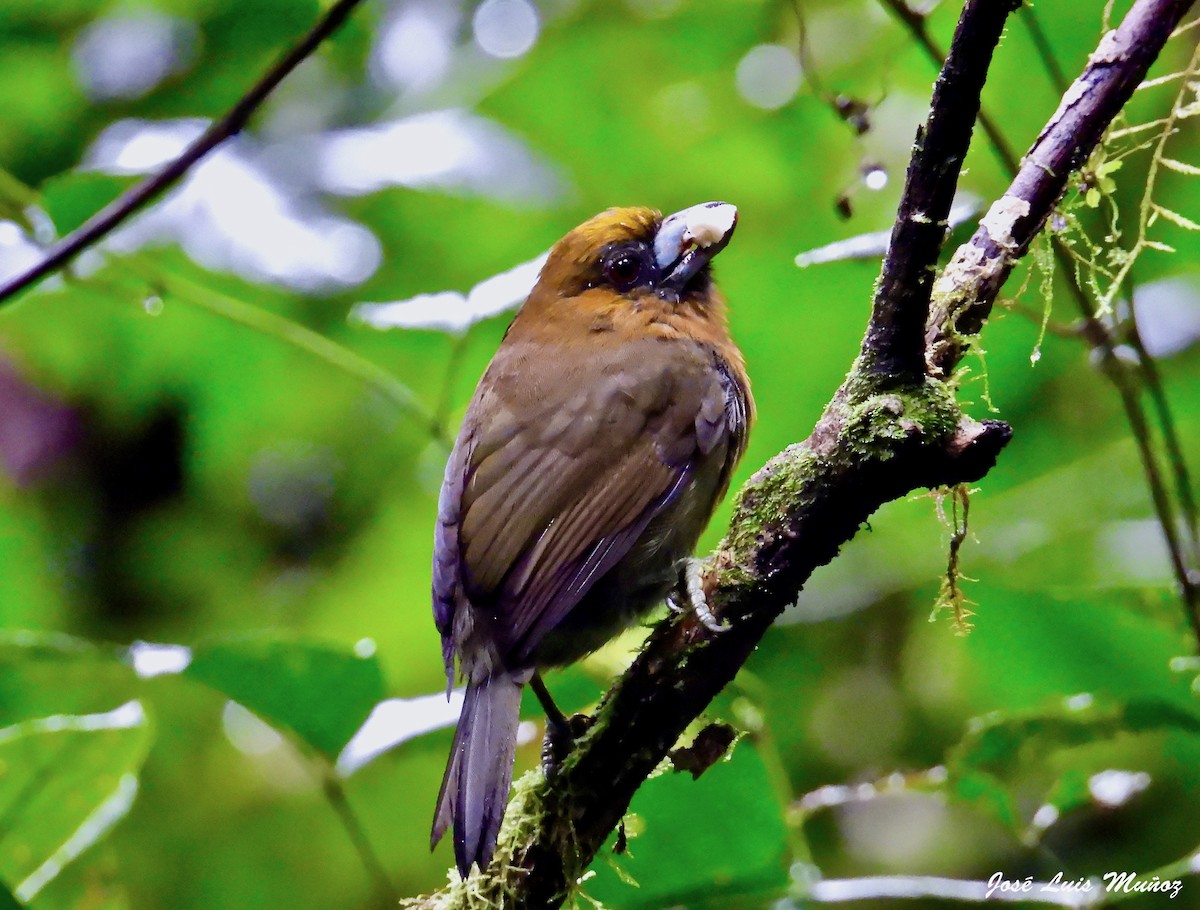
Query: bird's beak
[687,240]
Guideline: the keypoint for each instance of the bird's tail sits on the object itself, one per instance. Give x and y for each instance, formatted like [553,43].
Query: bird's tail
[479,773]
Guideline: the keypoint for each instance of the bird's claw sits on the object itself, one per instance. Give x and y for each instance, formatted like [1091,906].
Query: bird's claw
[560,740]
[693,586]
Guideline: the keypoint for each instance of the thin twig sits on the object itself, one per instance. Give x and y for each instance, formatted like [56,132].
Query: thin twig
[1044,51]
[1152,380]
[138,197]
[335,795]
[849,110]
[804,55]
[297,335]
[1119,375]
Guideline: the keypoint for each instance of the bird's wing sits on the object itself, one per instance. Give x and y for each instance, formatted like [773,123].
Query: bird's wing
[575,550]
[546,492]
[447,569]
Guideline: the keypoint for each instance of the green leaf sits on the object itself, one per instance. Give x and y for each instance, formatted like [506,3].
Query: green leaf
[320,692]
[1006,753]
[7,901]
[67,779]
[72,200]
[43,674]
[676,859]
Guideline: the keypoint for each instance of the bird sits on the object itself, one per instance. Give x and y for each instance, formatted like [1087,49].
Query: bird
[596,446]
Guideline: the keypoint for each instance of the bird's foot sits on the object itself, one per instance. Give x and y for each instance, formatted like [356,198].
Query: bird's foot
[692,587]
[561,731]
[560,740]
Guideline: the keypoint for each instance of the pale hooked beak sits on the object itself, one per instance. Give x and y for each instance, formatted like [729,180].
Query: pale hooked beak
[687,240]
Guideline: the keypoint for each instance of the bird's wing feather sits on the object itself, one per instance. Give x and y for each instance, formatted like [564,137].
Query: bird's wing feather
[447,565]
[566,560]
[586,540]
[548,501]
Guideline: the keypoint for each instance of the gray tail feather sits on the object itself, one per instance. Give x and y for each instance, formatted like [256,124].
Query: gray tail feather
[479,773]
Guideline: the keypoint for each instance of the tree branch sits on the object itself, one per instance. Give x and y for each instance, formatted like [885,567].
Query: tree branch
[1128,384]
[895,342]
[917,25]
[964,294]
[138,197]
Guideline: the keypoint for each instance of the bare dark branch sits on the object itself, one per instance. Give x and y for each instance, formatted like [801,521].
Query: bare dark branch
[918,26]
[895,342]
[138,197]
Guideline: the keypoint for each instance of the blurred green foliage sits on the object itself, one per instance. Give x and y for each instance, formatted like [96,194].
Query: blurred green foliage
[221,462]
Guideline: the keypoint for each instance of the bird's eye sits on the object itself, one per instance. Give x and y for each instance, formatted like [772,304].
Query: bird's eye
[623,271]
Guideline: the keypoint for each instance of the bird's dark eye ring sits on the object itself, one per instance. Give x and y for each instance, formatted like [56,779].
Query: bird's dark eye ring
[624,270]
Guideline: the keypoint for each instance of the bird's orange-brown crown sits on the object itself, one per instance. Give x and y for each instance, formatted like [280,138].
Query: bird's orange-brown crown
[628,272]
[612,226]
[635,253]
[575,262]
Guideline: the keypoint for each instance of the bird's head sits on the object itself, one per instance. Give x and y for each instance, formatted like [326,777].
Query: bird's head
[635,253]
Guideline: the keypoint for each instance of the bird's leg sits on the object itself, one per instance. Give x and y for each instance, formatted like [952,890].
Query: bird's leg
[555,719]
[692,585]
[561,731]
